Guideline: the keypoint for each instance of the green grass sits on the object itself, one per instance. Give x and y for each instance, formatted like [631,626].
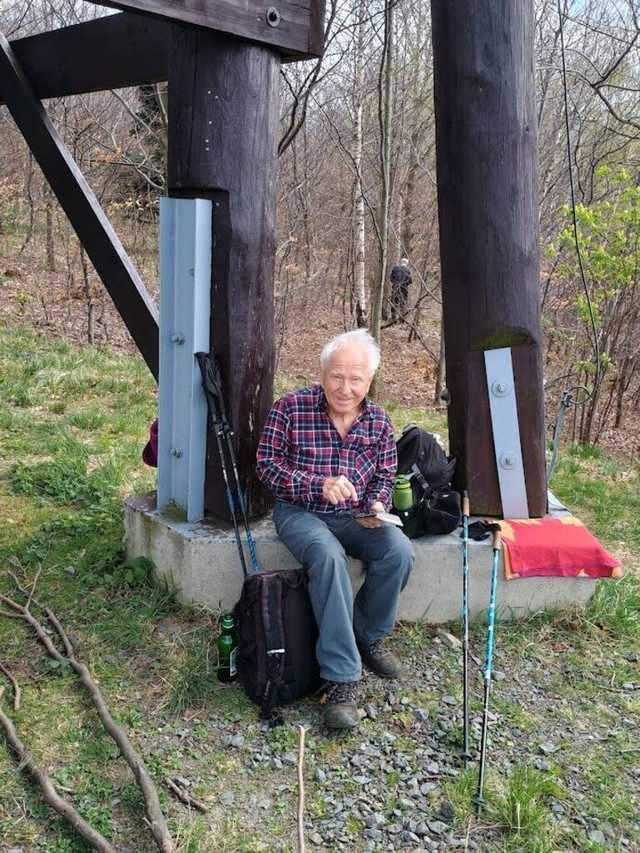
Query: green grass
[605,493]
[72,426]
[520,810]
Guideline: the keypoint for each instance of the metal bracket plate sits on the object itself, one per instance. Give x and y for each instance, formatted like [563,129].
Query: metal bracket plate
[185,294]
[506,433]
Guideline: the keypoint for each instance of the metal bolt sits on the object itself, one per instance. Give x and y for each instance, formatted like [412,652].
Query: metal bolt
[175,451]
[500,388]
[273,16]
[177,338]
[508,461]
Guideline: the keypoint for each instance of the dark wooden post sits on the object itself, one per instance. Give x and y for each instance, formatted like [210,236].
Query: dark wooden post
[488,209]
[223,123]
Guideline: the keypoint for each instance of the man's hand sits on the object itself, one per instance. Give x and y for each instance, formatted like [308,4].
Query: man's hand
[338,489]
[371,520]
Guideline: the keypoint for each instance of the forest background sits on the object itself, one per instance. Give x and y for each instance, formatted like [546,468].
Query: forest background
[357,191]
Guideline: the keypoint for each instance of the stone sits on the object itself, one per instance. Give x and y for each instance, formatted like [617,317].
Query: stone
[437,827]
[597,836]
[449,639]
[548,748]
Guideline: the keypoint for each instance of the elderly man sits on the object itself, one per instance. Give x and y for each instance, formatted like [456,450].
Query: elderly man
[328,455]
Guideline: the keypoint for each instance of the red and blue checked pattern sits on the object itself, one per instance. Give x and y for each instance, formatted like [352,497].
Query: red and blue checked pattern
[300,448]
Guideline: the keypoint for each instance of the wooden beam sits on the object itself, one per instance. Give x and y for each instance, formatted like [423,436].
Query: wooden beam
[82,207]
[486,146]
[108,53]
[295,27]
[223,125]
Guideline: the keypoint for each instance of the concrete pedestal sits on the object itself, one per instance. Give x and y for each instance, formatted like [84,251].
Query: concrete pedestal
[200,562]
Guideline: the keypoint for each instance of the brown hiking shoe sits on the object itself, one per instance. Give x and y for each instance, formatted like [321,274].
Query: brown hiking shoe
[380,660]
[339,701]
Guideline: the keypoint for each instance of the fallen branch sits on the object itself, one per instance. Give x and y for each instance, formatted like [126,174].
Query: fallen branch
[157,823]
[184,797]
[49,793]
[15,685]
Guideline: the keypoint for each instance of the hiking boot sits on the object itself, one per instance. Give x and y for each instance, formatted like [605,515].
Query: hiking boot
[339,701]
[380,660]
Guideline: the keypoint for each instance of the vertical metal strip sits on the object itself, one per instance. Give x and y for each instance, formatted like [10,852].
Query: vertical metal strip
[185,288]
[506,433]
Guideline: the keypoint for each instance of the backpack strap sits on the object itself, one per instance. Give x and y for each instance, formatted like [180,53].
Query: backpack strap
[417,473]
[272,602]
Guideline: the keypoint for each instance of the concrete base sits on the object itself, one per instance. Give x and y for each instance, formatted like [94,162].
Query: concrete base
[200,561]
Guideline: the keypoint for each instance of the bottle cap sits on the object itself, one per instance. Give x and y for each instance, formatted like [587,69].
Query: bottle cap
[227,620]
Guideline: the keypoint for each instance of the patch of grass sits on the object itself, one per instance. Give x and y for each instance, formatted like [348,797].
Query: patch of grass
[521,810]
[431,420]
[460,792]
[616,606]
[88,420]
[194,680]
[605,493]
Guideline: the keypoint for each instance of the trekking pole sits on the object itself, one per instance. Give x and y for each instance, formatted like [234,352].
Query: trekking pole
[466,755]
[214,385]
[214,415]
[488,664]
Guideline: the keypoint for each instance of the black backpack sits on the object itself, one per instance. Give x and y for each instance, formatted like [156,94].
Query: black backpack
[436,506]
[277,635]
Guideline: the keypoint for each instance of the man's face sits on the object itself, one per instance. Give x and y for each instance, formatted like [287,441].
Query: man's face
[346,380]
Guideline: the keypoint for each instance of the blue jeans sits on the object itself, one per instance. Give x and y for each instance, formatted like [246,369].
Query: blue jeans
[322,541]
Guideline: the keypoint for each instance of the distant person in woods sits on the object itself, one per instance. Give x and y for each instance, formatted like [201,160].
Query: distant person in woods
[328,455]
[400,282]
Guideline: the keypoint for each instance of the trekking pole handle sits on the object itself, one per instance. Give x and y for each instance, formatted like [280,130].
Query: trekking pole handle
[497,539]
[465,503]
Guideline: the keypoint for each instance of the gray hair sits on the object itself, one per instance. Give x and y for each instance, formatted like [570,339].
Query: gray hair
[358,337]
[404,262]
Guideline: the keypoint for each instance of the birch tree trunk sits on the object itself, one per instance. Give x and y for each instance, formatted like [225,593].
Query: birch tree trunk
[385,111]
[360,308]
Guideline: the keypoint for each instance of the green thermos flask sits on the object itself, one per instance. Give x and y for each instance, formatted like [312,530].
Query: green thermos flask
[402,498]
[227,649]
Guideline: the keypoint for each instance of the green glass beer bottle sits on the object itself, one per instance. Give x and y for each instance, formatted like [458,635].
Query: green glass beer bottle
[227,649]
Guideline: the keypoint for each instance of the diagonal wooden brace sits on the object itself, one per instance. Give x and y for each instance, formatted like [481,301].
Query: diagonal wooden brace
[82,208]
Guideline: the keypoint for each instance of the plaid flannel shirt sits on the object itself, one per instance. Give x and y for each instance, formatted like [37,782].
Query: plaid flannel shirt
[300,447]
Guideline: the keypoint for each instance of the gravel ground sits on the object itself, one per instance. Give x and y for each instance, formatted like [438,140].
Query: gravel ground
[397,781]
